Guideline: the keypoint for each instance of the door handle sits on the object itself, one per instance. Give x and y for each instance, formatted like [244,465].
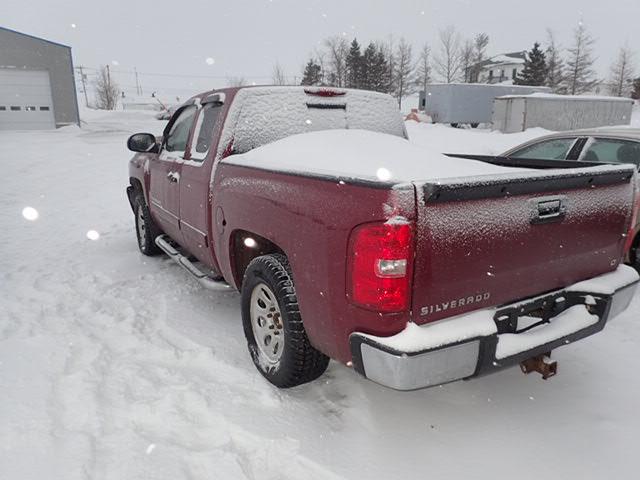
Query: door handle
[173,177]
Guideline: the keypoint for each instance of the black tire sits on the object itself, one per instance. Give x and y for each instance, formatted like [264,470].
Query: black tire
[474,125]
[146,228]
[299,362]
[634,257]
[454,125]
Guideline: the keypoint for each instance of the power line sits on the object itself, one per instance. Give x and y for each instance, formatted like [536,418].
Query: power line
[184,75]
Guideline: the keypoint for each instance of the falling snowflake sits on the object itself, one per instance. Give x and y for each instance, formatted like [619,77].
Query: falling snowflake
[93,235]
[383,174]
[30,213]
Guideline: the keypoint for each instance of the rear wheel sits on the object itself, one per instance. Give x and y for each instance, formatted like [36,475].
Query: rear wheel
[454,125]
[474,125]
[634,255]
[276,338]
[146,228]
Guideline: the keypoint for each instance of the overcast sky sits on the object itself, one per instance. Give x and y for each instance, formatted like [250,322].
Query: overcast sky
[246,37]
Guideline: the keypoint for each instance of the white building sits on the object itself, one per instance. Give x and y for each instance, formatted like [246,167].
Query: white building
[502,68]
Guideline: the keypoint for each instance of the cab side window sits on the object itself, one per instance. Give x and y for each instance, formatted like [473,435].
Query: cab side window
[178,135]
[203,133]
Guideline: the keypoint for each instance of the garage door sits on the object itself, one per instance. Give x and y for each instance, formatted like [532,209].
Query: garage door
[25,100]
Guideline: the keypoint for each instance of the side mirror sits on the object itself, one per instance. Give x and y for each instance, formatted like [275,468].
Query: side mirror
[143,143]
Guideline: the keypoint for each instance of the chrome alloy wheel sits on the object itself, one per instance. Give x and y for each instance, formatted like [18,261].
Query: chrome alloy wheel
[266,323]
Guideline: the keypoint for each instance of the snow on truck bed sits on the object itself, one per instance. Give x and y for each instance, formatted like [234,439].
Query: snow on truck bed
[383,158]
[361,154]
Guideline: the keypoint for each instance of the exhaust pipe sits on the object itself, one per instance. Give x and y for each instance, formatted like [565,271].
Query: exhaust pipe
[541,364]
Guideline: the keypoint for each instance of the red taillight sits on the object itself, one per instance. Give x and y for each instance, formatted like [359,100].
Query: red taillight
[324,92]
[380,264]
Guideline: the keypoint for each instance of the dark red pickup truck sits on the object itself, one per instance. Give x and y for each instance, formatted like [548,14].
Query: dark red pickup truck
[349,242]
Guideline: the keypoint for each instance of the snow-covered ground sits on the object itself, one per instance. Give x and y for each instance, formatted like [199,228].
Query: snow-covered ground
[116,366]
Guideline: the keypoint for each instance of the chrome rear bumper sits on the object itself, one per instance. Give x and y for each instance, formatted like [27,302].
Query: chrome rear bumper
[448,350]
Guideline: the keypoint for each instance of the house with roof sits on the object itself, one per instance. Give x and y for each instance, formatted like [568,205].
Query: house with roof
[501,68]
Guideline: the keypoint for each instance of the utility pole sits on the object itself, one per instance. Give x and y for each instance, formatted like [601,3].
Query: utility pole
[108,76]
[84,85]
[138,86]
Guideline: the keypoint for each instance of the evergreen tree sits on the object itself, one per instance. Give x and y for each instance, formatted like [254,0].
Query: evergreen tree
[535,68]
[312,73]
[354,66]
[369,67]
[380,73]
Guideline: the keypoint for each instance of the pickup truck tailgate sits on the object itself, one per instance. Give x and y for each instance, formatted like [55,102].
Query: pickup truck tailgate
[491,240]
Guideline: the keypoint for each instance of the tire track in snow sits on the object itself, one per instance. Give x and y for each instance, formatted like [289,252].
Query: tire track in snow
[130,380]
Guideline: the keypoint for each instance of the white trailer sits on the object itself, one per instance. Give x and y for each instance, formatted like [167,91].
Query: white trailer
[516,113]
[469,103]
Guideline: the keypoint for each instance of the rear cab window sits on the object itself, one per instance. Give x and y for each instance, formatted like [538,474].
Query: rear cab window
[262,115]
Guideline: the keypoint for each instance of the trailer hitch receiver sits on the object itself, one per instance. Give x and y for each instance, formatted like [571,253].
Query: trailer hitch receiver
[540,364]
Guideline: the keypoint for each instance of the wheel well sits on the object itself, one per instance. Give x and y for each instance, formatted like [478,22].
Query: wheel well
[133,190]
[136,184]
[244,247]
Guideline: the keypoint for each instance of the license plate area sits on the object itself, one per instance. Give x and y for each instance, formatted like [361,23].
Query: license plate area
[526,315]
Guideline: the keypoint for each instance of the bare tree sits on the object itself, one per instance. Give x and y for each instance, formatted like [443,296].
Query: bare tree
[321,58]
[466,60]
[236,81]
[448,62]
[480,44]
[338,49]
[555,64]
[423,68]
[106,90]
[403,70]
[390,56]
[581,76]
[622,72]
[277,75]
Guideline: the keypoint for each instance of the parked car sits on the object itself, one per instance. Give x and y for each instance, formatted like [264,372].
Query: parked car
[607,145]
[166,113]
[600,145]
[347,241]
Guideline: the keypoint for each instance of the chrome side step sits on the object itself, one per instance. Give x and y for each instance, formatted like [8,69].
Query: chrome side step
[206,281]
